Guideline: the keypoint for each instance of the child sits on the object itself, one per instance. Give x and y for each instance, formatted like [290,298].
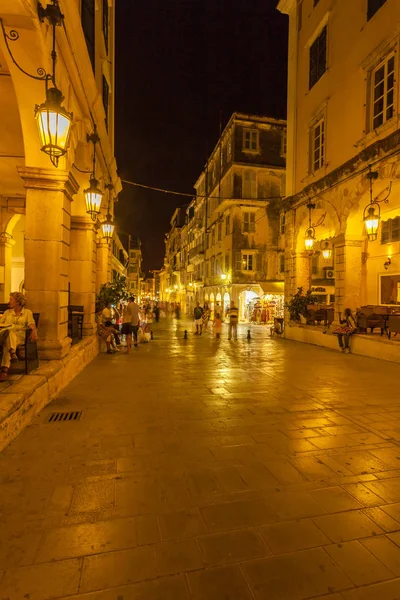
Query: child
[217,326]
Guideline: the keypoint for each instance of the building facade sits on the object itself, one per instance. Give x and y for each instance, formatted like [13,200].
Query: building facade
[135,266]
[49,246]
[232,247]
[343,143]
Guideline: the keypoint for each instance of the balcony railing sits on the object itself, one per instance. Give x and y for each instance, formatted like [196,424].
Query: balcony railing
[197,251]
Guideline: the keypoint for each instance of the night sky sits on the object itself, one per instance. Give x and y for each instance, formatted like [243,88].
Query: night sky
[180,64]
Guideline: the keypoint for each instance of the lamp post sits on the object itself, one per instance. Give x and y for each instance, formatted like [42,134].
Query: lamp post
[53,120]
[108,226]
[93,194]
[372,212]
[309,238]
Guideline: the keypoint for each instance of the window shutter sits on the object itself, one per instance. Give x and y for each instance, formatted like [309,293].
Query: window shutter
[246,221]
[252,227]
[259,262]
[253,184]
[238,261]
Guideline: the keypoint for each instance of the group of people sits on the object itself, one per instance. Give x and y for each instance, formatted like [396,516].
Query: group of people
[130,321]
[201,317]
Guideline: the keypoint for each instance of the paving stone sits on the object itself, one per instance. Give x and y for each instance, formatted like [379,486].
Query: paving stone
[382,518]
[233,546]
[295,505]
[295,576]
[220,582]
[236,515]
[385,550]
[352,525]
[114,569]
[389,490]
[389,590]
[91,496]
[364,495]
[292,536]
[163,588]
[335,499]
[147,530]
[358,563]
[82,540]
[181,524]
[40,582]
[177,557]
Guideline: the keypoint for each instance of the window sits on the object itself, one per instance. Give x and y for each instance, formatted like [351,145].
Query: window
[318,58]
[219,231]
[390,231]
[213,236]
[227,262]
[373,7]
[105,23]
[283,143]
[250,140]
[87,20]
[382,93]
[390,289]
[106,93]
[247,262]
[249,222]
[282,223]
[249,184]
[227,225]
[318,145]
[281,263]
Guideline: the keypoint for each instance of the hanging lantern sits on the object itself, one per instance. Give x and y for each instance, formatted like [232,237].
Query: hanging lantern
[107,227]
[93,197]
[371,221]
[326,251]
[54,124]
[309,240]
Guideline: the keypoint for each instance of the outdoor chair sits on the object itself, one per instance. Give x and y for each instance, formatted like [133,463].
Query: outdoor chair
[28,357]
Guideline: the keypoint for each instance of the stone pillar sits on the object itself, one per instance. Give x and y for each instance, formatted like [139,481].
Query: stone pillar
[348,268]
[47,243]
[6,249]
[299,274]
[82,272]
[103,273]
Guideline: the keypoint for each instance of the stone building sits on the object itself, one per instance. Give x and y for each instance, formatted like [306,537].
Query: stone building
[135,266]
[343,143]
[232,248]
[170,277]
[49,246]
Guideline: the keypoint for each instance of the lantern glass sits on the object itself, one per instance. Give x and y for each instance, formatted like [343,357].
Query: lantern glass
[93,197]
[108,227]
[309,240]
[327,253]
[54,125]
[372,224]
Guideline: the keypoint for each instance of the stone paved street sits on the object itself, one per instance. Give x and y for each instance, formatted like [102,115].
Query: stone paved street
[201,470]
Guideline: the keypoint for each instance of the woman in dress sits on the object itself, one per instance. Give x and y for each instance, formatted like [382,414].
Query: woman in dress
[206,315]
[13,326]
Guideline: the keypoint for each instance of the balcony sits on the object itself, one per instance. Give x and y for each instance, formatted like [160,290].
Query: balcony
[196,254]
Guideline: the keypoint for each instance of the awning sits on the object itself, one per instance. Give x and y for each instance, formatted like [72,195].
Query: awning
[273,287]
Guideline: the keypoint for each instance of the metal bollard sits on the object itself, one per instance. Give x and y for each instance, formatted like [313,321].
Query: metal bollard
[248,335]
[185,335]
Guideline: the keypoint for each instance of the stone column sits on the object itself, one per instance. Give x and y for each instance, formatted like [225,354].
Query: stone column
[82,272]
[47,244]
[348,268]
[299,274]
[103,273]
[6,249]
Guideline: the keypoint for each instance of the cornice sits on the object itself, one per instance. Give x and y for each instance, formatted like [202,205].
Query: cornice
[286,6]
[49,180]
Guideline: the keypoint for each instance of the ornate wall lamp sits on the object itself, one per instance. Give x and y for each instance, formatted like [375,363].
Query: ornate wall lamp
[326,249]
[93,194]
[370,217]
[309,239]
[53,120]
[108,226]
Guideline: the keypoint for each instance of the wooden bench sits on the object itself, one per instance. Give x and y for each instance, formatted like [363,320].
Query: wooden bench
[371,317]
[319,314]
[393,325]
[26,352]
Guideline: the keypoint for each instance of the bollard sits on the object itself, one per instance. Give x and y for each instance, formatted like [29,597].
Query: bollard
[185,335]
[151,335]
[248,335]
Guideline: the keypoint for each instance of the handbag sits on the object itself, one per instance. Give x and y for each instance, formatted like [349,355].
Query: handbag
[344,330]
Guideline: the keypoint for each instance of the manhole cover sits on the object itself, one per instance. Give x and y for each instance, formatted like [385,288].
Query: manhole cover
[66,416]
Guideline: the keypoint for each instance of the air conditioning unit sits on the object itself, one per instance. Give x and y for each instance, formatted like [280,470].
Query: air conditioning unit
[330,274]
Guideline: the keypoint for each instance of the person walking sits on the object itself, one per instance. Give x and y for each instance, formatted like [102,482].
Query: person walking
[206,315]
[348,326]
[107,322]
[126,324]
[217,326]
[135,320]
[198,318]
[233,315]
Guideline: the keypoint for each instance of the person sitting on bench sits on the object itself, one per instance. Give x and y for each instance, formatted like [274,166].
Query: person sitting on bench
[13,326]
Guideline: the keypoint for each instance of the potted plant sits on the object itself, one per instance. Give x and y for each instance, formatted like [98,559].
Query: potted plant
[112,292]
[297,305]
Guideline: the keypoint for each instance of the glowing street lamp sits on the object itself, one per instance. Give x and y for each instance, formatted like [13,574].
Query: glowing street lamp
[326,248]
[309,239]
[54,125]
[371,221]
[93,194]
[108,226]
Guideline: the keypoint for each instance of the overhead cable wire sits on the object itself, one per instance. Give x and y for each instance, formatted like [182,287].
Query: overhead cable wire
[193,196]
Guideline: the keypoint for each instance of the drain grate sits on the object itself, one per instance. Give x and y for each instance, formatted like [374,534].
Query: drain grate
[67,416]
